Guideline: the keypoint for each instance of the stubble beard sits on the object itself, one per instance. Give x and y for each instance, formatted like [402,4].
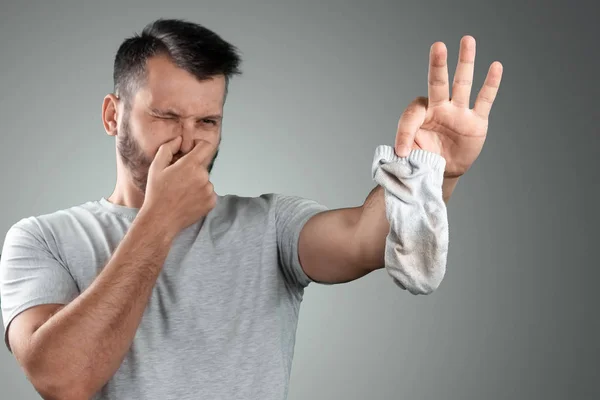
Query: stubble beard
[135,160]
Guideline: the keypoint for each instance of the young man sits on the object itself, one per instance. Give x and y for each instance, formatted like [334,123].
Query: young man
[166,290]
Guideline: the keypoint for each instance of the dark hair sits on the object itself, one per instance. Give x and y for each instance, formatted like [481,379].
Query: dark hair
[190,46]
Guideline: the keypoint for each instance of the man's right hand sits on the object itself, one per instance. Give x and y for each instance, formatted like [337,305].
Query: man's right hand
[70,351]
[180,194]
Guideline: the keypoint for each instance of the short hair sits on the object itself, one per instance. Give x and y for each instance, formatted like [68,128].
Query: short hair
[190,46]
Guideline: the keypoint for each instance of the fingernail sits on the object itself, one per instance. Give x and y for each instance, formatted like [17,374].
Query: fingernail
[402,151]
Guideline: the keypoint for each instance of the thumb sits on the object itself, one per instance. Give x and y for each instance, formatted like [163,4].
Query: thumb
[165,153]
[411,120]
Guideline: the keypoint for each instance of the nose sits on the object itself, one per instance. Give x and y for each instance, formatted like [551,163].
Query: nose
[187,144]
[188,134]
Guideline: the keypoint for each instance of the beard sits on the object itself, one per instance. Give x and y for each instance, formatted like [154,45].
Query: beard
[135,160]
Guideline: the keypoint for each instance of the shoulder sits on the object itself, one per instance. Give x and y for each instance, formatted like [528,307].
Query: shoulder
[232,202]
[47,226]
[266,203]
[233,208]
[270,208]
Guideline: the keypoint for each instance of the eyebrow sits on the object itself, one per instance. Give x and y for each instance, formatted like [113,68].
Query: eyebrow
[218,117]
[171,113]
[165,113]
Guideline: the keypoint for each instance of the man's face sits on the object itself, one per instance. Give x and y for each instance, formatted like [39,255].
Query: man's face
[170,103]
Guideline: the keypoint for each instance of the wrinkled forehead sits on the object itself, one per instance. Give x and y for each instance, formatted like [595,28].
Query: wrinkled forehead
[169,87]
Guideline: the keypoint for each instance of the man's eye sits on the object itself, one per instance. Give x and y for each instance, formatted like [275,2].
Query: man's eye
[209,121]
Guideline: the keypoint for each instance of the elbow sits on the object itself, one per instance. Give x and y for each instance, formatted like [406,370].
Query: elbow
[50,388]
[62,395]
[54,383]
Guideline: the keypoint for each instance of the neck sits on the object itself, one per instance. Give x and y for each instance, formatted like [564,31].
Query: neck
[125,192]
[126,198]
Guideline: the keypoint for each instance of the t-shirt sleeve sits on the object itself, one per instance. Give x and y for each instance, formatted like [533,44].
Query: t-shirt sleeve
[291,213]
[30,273]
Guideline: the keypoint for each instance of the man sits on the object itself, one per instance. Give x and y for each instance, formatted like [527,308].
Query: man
[166,290]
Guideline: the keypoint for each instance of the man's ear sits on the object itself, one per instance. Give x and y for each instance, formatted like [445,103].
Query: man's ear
[110,114]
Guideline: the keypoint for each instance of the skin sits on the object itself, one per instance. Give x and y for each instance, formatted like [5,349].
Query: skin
[71,351]
[343,245]
[161,110]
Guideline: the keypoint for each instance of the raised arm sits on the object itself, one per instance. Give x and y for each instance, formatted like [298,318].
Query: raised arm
[342,245]
[70,351]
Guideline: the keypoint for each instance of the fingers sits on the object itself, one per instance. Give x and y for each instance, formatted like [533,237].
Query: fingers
[411,120]
[438,87]
[200,153]
[487,94]
[165,153]
[463,78]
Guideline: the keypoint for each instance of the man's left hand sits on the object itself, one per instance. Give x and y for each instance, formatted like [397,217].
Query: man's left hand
[444,125]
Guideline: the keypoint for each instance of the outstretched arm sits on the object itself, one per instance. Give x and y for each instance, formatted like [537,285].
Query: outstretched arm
[342,245]
[402,225]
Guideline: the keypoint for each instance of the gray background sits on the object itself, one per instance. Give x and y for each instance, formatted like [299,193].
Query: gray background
[324,83]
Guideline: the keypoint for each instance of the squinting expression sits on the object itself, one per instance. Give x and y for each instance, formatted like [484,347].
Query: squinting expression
[170,103]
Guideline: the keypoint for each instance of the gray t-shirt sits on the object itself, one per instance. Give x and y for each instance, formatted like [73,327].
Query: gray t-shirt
[221,321]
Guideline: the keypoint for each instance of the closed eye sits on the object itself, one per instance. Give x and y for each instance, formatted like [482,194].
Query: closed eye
[166,115]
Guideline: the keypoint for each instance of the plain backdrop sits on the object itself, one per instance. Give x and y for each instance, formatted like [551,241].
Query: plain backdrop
[324,83]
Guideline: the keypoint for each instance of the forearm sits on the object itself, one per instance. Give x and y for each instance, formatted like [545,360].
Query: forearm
[402,226]
[374,223]
[412,201]
[342,245]
[374,228]
[79,348]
